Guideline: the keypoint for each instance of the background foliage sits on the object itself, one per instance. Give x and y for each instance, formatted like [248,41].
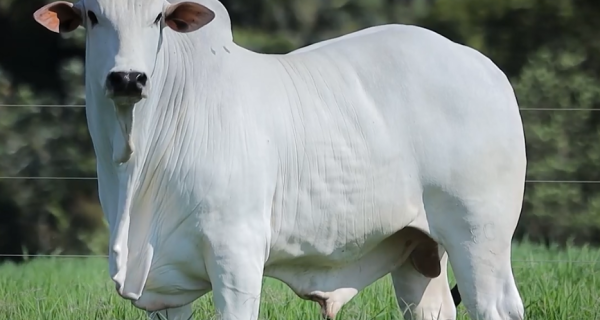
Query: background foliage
[549,49]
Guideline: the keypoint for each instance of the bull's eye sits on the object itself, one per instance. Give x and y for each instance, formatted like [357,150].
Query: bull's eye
[158,18]
[92,17]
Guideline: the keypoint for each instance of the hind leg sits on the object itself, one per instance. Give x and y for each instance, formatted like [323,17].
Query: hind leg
[487,285]
[477,236]
[421,297]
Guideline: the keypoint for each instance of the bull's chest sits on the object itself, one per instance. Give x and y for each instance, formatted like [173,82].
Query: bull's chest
[177,265]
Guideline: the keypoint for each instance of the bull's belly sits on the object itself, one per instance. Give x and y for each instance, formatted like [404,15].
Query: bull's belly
[340,232]
[331,235]
[325,247]
[348,267]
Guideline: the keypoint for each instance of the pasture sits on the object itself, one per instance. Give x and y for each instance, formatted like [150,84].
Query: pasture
[555,284]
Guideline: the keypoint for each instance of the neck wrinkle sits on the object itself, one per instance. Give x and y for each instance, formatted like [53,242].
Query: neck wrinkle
[164,122]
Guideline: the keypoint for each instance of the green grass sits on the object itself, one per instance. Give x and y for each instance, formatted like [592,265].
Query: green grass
[559,286]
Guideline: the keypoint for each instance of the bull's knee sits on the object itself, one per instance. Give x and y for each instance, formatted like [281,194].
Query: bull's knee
[502,304]
[488,293]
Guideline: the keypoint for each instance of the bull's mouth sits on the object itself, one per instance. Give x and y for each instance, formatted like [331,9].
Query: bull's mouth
[125,100]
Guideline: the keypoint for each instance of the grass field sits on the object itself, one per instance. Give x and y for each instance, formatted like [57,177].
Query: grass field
[554,284]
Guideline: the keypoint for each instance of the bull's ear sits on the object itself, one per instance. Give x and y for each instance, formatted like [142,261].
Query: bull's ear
[188,16]
[58,16]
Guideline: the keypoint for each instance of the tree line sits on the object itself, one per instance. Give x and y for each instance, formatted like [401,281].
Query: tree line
[549,49]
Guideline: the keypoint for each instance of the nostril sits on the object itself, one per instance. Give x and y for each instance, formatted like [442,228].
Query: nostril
[142,79]
[125,84]
[115,78]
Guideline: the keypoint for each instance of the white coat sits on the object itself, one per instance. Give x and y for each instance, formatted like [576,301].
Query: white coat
[388,150]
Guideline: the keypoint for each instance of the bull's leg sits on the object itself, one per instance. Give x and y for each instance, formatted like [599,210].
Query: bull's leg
[477,236]
[482,267]
[181,313]
[235,264]
[421,297]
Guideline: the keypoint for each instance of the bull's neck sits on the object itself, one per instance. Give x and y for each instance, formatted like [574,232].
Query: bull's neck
[185,69]
[187,80]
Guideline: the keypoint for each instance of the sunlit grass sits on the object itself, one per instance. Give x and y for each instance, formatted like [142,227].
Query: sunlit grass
[560,285]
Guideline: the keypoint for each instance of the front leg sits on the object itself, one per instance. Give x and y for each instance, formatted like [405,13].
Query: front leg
[181,313]
[235,265]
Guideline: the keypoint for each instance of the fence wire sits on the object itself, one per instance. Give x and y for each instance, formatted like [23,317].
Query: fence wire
[42,105]
[98,256]
[96,178]
[83,106]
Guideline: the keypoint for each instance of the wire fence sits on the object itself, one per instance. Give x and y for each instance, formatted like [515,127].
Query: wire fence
[98,256]
[74,256]
[83,106]
[96,178]
[42,105]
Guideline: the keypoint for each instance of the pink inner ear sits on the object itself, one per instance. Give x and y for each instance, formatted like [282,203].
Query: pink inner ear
[188,16]
[177,24]
[58,17]
[49,20]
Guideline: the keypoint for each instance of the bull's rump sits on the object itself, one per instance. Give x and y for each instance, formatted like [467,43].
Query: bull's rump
[374,118]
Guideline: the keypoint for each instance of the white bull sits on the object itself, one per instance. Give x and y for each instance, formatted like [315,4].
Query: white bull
[388,150]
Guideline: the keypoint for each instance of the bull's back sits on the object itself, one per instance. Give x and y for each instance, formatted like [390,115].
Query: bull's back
[445,104]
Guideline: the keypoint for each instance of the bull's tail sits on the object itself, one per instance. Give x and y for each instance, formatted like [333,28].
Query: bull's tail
[456,295]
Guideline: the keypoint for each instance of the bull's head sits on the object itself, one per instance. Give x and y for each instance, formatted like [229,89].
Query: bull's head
[123,37]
